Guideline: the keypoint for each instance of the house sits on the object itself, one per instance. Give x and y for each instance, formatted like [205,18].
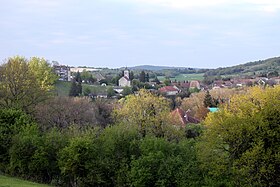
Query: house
[194,84]
[169,90]
[98,76]
[63,72]
[125,81]
[182,85]
[182,118]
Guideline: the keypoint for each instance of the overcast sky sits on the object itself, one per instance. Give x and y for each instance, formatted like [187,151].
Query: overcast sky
[117,33]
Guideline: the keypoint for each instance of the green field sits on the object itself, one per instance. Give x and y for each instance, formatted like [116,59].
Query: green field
[14,182]
[185,77]
[62,88]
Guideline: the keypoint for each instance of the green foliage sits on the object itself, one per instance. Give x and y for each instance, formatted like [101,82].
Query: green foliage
[11,121]
[110,92]
[164,163]
[183,77]
[73,89]
[146,111]
[35,156]
[86,91]
[43,73]
[119,144]
[76,86]
[241,143]
[167,82]
[23,83]
[193,130]
[91,160]
[208,100]
[126,91]
[194,90]
[24,147]
[76,161]
[268,65]
[62,88]
[142,76]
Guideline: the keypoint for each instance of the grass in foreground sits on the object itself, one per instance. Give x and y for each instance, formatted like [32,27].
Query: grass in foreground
[14,182]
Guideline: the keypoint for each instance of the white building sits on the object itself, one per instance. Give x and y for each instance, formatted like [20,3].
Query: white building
[124,81]
[63,72]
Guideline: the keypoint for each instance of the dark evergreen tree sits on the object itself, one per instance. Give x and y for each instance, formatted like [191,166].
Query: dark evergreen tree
[131,75]
[73,89]
[79,88]
[147,77]
[76,88]
[78,77]
[208,100]
[142,76]
[157,81]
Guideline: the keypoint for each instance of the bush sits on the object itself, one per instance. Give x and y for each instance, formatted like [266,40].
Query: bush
[11,121]
[164,163]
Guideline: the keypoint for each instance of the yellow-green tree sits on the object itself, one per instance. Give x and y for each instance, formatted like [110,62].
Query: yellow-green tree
[150,113]
[242,142]
[25,83]
[43,73]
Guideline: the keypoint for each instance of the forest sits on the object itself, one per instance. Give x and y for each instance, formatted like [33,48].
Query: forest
[133,141]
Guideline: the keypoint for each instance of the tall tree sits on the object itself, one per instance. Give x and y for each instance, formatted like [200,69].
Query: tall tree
[23,83]
[73,89]
[76,88]
[148,112]
[131,75]
[142,77]
[147,77]
[208,100]
[79,83]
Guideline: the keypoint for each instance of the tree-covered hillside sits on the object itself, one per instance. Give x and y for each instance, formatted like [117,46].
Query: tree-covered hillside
[250,68]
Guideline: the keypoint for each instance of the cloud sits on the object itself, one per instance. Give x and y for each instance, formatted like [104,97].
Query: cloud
[270,6]
[184,4]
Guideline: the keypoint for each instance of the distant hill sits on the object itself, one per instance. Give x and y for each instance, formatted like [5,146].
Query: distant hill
[250,68]
[155,68]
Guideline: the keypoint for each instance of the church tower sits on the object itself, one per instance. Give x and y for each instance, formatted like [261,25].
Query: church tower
[126,73]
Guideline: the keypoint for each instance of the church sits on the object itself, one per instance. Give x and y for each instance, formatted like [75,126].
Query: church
[125,81]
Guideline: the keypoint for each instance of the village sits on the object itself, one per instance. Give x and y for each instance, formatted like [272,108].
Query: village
[166,87]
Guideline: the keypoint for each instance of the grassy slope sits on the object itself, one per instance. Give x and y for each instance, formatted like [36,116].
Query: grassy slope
[249,68]
[187,77]
[63,88]
[14,182]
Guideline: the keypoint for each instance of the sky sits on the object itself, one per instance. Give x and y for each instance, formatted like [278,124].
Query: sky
[125,33]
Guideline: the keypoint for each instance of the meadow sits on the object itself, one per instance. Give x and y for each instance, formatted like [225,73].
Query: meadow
[62,88]
[184,77]
[15,182]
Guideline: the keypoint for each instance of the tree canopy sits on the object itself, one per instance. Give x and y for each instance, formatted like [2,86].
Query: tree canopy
[242,140]
[24,83]
[145,110]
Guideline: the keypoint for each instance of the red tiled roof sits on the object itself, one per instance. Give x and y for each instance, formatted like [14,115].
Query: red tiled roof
[183,116]
[185,84]
[168,89]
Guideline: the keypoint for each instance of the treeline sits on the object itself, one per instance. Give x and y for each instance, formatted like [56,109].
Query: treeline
[79,142]
[261,67]
[115,156]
